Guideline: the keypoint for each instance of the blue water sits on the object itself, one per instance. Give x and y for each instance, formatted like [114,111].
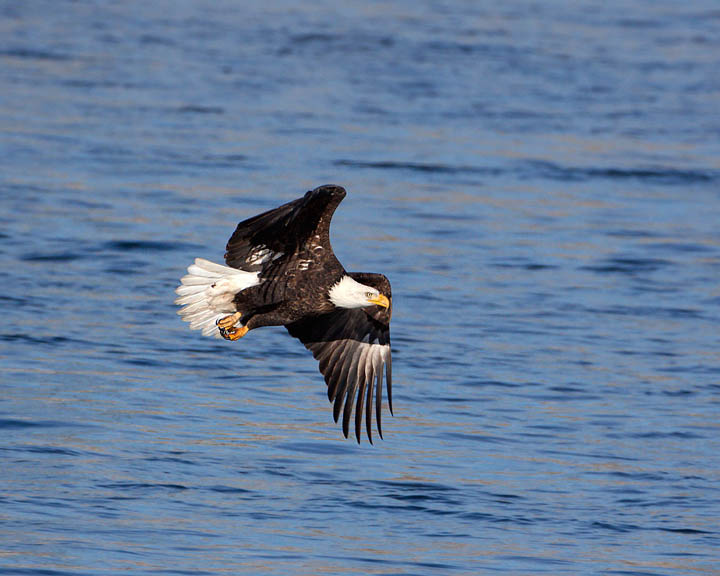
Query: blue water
[539,180]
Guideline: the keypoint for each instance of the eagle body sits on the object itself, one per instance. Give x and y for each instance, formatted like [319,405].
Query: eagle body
[281,271]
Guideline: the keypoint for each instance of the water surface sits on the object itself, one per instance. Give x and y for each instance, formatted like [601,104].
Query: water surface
[538,181]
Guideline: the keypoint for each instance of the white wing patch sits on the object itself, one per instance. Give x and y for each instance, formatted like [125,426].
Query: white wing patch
[207,294]
[261,254]
[379,352]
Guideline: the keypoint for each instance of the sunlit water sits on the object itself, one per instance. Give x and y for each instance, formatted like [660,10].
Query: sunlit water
[540,182]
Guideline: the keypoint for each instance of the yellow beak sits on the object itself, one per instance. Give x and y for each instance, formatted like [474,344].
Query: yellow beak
[381,300]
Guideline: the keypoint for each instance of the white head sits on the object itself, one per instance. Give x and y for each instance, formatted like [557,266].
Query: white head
[347,293]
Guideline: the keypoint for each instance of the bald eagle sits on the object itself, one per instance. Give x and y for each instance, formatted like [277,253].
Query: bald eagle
[281,271]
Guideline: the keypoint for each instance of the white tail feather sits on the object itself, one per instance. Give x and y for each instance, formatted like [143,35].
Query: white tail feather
[207,293]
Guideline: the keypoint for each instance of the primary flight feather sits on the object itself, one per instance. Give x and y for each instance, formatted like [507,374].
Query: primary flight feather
[281,271]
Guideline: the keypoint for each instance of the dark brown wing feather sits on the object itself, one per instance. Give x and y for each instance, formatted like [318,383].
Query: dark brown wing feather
[352,348]
[260,240]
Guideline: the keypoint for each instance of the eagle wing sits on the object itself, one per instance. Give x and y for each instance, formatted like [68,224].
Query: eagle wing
[353,349]
[260,241]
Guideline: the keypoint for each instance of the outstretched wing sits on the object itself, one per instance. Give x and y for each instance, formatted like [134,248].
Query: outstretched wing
[265,238]
[353,349]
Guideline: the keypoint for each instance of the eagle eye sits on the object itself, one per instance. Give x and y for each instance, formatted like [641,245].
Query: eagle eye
[369,295]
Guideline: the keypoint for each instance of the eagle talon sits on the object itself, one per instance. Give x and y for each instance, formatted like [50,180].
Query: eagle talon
[228,321]
[233,333]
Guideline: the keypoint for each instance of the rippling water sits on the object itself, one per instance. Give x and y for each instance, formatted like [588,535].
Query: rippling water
[540,182]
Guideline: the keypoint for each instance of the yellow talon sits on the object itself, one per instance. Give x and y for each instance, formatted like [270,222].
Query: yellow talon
[228,321]
[234,333]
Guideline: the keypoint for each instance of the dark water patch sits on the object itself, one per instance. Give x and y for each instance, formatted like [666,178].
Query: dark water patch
[316,448]
[674,393]
[635,501]
[628,233]
[419,492]
[122,497]
[356,42]
[680,247]
[53,257]
[636,476]
[490,50]
[184,572]
[636,573]
[424,297]
[48,341]
[174,571]
[130,270]
[148,246]
[13,571]
[420,167]
[145,362]
[648,312]
[35,54]
[23,190]
[18,424]
[504,497]
[226,158]
[451,399]
[229,490]
[199,109]
[569,393]
[438,216]
[154,39]
[530,266]
[389,562]
[639,23]
[423,487]
[499,518]
[522,329]
[489,384]
[603,456]
[538,560]
[171,459]
[668,176]
[581,397]
[425,498]
[662,435]
[53,450]
[87,204]
[198,160]
[627,265]
[314,38]
[483,438]
[89,84]
[622,528]
[142,486]
[390,508]
[13,300]
[568,389]
[222,161]
[685,530]
[551,427]
[115,153]
[693,369]
[564,397]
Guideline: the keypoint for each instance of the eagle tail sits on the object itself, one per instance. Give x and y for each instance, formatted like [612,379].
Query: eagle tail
[207,293]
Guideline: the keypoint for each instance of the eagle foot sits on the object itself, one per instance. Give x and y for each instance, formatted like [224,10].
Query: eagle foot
[234,333]
[228,321]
